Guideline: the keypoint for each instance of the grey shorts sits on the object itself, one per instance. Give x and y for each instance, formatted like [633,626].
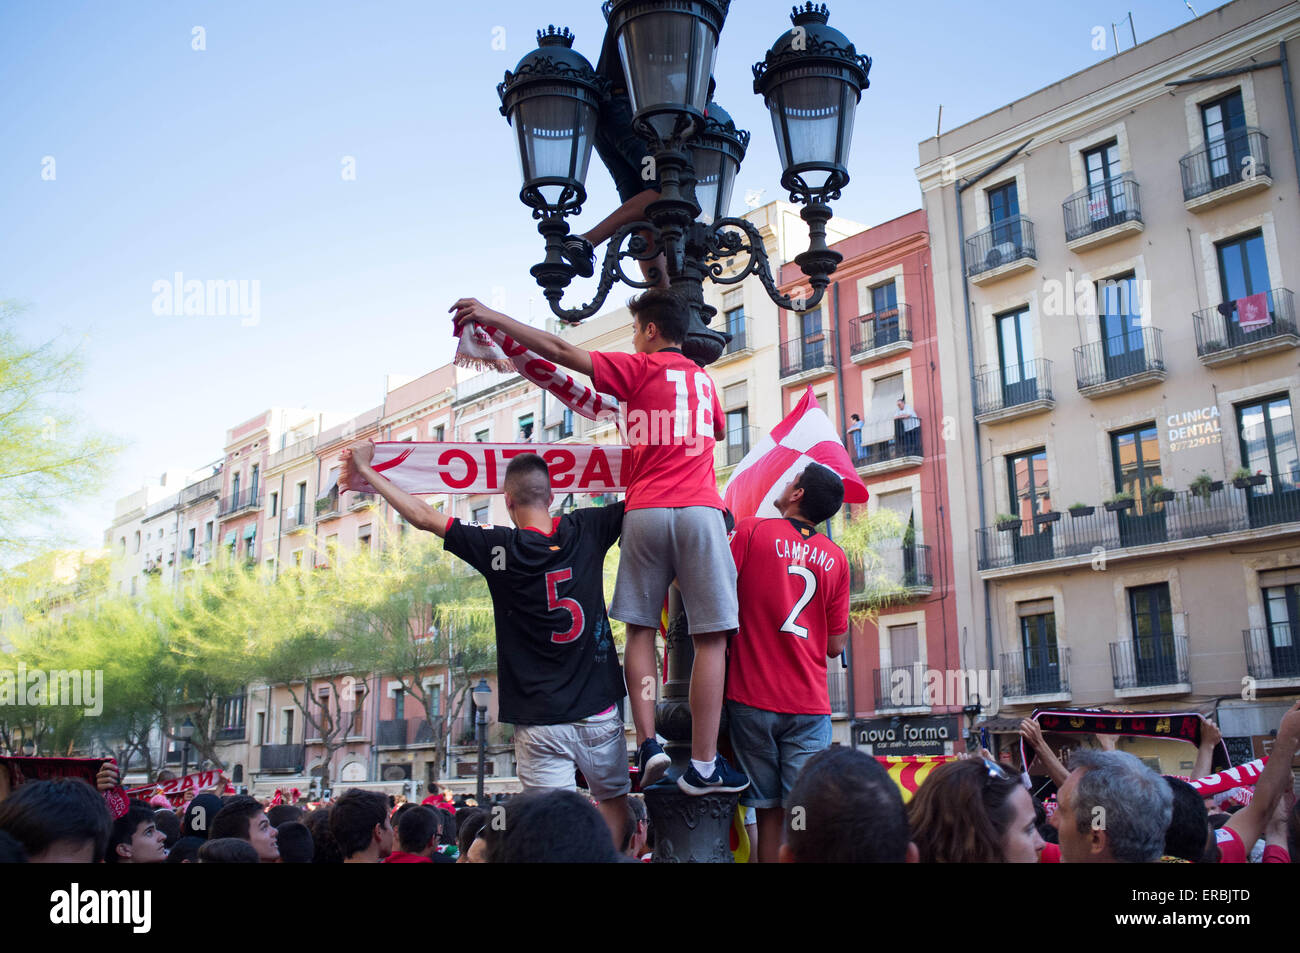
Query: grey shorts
[546,755]
[688,543]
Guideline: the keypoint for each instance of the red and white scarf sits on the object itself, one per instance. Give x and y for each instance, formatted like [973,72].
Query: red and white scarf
[491,349]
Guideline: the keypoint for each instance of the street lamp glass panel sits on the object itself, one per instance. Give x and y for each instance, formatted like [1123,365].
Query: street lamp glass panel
[667,59]
[813,120]
[715,173]
[554,134]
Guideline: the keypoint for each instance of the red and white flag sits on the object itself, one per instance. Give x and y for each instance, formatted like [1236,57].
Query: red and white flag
[1252,312]
[805,436]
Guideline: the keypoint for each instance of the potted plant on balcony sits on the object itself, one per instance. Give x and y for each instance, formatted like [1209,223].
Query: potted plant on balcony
[1242,478]
[1081,509]
[1005,522]
[1156,493]
[1049,517]
[1204,485]
[1123,500]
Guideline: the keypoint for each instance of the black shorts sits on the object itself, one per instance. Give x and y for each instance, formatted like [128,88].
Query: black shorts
[621,149]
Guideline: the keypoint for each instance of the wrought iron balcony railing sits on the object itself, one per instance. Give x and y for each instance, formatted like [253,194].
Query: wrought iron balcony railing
[1115,358]
[282,758]
[1102,206]
[1011,386]
[1179,515]
[244,499]
[837,686]
[808,353]
[880,329]
[900,686]
[1045,672]
[1239,156]
[1149,662]
[905,443]
[1220,329]
[1000,244]
[1273,651]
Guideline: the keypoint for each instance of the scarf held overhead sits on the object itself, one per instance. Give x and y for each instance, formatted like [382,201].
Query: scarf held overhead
[491,349]
[481,467]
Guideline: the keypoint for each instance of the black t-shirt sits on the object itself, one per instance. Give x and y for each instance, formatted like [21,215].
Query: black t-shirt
[556,659]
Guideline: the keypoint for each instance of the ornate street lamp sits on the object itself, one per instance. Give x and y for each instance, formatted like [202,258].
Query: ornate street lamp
[185,732]
[811,80]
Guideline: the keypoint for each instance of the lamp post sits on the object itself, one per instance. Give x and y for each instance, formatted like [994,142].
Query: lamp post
[482,692]
[185,732]
[811,80]
[29,748]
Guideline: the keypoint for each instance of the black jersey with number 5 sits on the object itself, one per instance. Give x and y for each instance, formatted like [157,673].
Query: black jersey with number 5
[556,659]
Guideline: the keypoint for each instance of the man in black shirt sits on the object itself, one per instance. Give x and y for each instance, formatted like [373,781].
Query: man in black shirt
[557,667]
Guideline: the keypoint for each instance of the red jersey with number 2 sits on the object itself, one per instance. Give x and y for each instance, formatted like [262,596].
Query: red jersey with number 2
[793,586]
[673,419]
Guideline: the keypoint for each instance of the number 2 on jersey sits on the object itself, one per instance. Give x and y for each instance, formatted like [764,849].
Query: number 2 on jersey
[809,590]
[572,606]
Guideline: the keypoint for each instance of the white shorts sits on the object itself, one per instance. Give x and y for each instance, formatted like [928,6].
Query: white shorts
[546,756]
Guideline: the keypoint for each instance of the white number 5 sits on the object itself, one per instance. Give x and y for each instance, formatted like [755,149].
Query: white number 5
[809,590]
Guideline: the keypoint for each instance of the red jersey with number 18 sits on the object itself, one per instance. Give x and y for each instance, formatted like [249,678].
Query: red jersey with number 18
[793,587]
[673,419]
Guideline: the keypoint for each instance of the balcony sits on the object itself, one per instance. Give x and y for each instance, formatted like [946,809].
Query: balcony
[808,357]
[900,687]
[837,686]
[1273,655]
[230,733]
[1150,665]
[739,346]
[1220,338]
[1116,364]
[1225,169]
[1005,248]
[1102,213]
[1037,679]
[1107,531]
[327,507]
[282,758]
[204,489]
[902,572]
[404,733]
[1018,390]
[885,456]
[881,334]
[238,502]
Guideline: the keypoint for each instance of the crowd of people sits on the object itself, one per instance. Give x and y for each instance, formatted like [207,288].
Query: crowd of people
[843,807]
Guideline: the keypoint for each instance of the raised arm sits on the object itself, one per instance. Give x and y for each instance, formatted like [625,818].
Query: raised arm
[1210,738]
[546,344]
[413,509]
[1032,733]
[1251,820]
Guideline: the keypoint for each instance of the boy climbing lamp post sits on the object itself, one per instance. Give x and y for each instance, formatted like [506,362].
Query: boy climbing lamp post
[811,80]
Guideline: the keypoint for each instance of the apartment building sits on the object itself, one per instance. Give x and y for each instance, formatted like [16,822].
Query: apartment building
[1114,258]
[869,350]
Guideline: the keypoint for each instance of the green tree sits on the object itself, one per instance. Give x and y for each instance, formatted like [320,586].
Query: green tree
[47,456]
[422,614]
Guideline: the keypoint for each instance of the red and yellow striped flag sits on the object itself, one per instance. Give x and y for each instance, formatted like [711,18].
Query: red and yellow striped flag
[908,771]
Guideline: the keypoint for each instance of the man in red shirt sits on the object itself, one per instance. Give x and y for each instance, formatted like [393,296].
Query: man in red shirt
[793,587]
[673,526]
[1238,835]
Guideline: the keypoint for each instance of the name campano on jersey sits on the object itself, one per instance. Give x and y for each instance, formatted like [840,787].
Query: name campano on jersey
[803,554]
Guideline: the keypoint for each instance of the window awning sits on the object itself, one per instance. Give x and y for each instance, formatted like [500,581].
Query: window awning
[230,538]
[250,531]
[331,487]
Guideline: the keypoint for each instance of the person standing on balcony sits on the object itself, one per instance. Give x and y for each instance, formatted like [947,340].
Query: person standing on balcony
[855,437]
[907,428]
[793,585]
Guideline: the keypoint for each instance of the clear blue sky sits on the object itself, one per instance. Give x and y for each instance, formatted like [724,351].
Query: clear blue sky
[226,164]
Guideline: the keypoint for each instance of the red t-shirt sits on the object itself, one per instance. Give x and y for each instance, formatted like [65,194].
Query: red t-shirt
[401,857]
[673,420]
[1051,854]
[1231,849]
[793,588]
